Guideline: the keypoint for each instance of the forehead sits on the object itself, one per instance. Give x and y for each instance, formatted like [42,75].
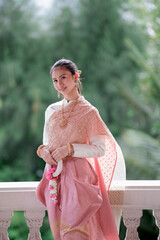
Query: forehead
[57,72]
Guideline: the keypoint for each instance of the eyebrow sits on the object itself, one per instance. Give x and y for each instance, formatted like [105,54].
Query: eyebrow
[60,75]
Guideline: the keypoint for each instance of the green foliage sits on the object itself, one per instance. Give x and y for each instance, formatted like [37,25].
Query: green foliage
[142,154]
[147,229]
[18,229]
[22,100]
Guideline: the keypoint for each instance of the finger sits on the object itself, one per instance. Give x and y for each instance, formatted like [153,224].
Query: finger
[57,158]
[52,160]
[53,163]
[53,154]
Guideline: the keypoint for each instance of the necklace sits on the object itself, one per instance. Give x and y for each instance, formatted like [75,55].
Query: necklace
[64,121]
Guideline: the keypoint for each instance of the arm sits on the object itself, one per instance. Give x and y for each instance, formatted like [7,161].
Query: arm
[45,130]
[49,111]
[95,148]
[43,151]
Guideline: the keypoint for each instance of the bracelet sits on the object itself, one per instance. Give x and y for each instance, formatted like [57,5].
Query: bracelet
[70,150]
[38,150]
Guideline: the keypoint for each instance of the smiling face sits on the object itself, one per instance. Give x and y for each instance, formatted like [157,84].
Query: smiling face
[65,82]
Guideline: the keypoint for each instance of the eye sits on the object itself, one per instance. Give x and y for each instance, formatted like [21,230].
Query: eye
[63,77]
[54,80]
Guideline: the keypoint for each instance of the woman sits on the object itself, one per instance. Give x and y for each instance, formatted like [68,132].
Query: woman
[78,204]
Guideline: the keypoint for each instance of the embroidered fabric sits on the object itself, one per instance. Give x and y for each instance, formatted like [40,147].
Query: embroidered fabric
[84,150]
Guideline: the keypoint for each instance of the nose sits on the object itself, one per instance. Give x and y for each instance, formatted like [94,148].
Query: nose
[60,83]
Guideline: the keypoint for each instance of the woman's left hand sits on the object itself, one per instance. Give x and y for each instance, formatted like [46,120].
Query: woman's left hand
[60,153]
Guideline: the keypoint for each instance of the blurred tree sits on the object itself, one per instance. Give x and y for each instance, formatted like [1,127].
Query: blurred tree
[149,85]
[99,49]
[144,161]
[110,71]
[63,32]
[22,68]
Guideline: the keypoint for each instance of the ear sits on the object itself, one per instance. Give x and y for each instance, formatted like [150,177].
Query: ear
[76,76]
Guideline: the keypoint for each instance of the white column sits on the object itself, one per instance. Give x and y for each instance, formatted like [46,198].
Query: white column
[34,222]
[156,214]
[131,218]
[5,218]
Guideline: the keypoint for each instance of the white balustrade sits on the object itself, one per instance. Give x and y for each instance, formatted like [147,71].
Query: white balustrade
[131,218]
[5,218]
[156,214]
[20,196]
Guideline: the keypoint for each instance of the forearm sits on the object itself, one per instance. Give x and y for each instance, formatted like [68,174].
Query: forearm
[95,148]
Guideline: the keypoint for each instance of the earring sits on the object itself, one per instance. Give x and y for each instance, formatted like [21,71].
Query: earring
[59,94]
[76,84]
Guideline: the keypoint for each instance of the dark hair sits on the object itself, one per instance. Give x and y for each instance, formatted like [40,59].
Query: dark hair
[71,67]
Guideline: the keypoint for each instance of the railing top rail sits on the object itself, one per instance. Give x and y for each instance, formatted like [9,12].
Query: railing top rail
[7,186]
[128,185]
[137,193]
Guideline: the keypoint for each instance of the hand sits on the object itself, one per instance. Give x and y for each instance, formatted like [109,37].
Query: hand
[46,155]
[60,153]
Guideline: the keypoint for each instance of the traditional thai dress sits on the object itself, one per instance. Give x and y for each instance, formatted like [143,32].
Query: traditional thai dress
[83,210]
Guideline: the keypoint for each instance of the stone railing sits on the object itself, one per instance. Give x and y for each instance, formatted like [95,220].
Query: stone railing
[20,196]
[138,196]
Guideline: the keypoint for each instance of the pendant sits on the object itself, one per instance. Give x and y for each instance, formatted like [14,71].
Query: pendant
[63,123]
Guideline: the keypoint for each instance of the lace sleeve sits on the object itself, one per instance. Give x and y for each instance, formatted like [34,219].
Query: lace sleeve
[48,113]
[95,148]
[45,130]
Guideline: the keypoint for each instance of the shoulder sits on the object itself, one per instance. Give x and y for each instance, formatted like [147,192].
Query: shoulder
[92,110]
[51,108]
[54,106]
[93,113]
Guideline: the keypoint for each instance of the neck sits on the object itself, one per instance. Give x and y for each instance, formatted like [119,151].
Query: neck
[72,96]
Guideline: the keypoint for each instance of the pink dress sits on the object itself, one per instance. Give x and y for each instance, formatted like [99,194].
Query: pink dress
[83,210]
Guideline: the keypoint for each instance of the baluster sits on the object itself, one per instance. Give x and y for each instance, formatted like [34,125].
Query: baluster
[34,222]
[156,214]
[5,218]
[131,218]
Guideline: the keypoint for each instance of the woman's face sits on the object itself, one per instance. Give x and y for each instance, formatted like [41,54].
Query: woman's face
[64,82]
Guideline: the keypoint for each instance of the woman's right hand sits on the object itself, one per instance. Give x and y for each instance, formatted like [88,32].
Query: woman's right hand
[46,156]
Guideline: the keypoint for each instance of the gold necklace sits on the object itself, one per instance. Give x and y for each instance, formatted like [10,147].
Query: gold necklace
[64,121]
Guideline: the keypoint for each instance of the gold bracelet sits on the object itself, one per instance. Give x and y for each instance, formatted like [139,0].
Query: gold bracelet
[38,150]
[70,150]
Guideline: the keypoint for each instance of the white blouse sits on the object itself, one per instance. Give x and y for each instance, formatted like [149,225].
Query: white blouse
[95,148]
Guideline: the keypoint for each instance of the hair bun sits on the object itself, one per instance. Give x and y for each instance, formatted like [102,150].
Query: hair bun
[79,72]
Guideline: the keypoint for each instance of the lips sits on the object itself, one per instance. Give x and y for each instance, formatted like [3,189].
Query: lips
[62,89]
